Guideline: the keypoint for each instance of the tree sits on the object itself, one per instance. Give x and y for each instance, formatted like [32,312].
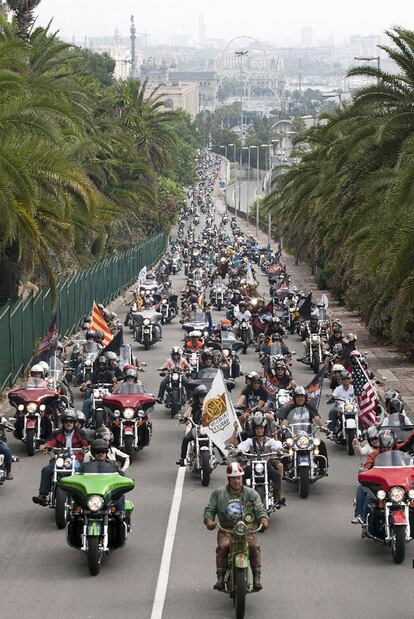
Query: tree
[24,12]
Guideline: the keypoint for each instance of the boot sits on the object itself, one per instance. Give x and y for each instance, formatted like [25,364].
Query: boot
[8,474]
[219,586]
[257,585]
[277,491]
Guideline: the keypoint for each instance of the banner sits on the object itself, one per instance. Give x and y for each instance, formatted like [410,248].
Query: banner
[314,388]
[99,324]
[219,417]
[142,275]
[49,341]
[249,275]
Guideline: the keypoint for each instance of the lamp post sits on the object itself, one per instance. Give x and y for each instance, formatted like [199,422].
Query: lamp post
[240,54]
[234,158]
[369,59]
[257,188]
[248,179]
[225,150]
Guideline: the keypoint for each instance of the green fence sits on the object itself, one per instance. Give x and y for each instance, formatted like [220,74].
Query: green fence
[25,322]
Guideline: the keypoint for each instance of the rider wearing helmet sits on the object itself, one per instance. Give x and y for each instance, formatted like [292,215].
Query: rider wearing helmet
[253,396]
[337,368]
[114,454]
[194,344]
[66,438]
[396,415]
[227,504]
[174,362]
[37,377]
[193,414]
[241,313]
[371,444]
[343,393]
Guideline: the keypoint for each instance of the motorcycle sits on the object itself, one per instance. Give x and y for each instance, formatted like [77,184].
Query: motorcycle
[99,391]
[315,351]
[390,516]
[95,523]
[147,327]
[65,464]
[259,480]
[303,460]
[348,425]
[237,581]
[217,294]
[168,308]
[244,334]
[129,417]
[37,414]
[200,454]
[193,360]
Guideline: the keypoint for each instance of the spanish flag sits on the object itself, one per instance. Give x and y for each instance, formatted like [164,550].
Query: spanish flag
[99,324]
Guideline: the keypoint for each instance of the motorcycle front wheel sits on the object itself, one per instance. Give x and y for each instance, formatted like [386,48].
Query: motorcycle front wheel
[240,592]
[129,447]
[147,342]
[350,435]
[175,403]
[94,555]
[304,482]
[398,545]
[205,468]
[60,508]
[30,441]
[316,362]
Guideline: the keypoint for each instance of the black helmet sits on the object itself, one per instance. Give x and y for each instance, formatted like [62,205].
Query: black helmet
[90,334]
[99,336]
[395,406]
[259,421]
[102,362]
[207,354]
[299,390]
[99,446]
[104,433]
[386,439]
[198,391]
[69,415]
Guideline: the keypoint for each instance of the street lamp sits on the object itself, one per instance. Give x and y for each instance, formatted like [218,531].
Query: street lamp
[241,54]
[369,59]
[234,158]
[257,187]
[225,150]
[248,178]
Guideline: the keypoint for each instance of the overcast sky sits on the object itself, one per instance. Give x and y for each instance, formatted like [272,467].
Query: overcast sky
[267,19]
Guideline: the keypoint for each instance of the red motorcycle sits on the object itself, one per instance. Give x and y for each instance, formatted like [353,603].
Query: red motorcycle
[390,517]
[129,418]
[36,414]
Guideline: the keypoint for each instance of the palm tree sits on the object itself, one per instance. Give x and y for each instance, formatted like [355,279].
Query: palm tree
[24,11]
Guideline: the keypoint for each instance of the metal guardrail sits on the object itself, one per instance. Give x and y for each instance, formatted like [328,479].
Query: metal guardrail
[24,323]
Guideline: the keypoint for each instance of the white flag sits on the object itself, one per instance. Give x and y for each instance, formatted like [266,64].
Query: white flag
[219,415]
[142,275]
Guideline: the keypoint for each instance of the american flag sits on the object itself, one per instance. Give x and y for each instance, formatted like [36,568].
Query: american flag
[366,395]
[314,388]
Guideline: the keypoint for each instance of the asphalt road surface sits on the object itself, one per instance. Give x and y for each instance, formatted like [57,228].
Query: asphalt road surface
[314,561]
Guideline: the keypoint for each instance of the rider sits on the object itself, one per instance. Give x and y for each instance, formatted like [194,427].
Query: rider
[371,444]
[228,504]
[242,313]
[261,444]
[174,362]
[5,450]
[114,454]
[37,377]
[102,374]
[195,413]
[68,437]
[194,344]
[344,392]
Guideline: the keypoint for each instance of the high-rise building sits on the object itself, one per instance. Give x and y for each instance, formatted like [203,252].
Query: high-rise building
[201,29]
[306,37]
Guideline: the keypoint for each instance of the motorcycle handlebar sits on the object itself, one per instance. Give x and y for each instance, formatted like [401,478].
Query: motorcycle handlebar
[250,532]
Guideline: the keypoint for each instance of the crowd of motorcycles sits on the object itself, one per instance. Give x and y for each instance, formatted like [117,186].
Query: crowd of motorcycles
[221,265]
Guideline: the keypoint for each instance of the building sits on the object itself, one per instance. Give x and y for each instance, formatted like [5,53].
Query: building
[306,37]
[179,95]
[207,85]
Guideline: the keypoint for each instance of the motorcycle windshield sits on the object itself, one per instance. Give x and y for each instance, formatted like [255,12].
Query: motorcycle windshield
[299,421]
[197,316]
[276,348]
[91,347]
[393,458]
[55,369]
[36,383]
[125,355]
[85,484]
[131,388]
[218,283]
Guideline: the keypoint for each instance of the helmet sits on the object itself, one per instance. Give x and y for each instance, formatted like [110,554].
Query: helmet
[386,439]
[90,334]
[37,368]
[69,415]
[395,406]
[390,394]
[102,361]
[45,367]
[338,367]
[111,356]
[345,374]
[195,334]
[351,337]
[354,353]
[299,390]
[99,336]
[131,372]
[225,323]
[372,433]
[176,350]
[105,433]
[280,365]
[314,316]
[80,416]
[235,470]
[198,391]
[128,366]
[207,354]
[259,421]
[99,446]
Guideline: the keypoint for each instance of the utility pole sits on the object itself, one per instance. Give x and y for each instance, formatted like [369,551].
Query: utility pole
[241,54]
[133,72]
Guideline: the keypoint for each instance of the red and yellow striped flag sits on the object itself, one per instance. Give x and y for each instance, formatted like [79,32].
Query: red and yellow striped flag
[99,324]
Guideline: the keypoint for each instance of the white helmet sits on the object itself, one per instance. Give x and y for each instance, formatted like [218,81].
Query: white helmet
[195,334]
[235,469]
[37,368]
[45,367]
[338,367]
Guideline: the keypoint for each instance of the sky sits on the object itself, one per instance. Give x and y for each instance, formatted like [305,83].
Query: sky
[271,20]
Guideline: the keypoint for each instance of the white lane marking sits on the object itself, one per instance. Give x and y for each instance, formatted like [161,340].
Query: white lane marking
[163,575]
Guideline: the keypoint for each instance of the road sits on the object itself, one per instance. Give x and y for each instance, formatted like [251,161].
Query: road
[314,561]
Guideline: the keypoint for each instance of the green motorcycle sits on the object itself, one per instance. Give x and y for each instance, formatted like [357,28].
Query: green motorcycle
[97,522]
[237,579]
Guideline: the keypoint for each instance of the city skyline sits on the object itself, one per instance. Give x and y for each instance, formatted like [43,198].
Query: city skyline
[284,24]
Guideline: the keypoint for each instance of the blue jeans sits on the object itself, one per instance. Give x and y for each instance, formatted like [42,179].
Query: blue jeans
[86,407]
[46,477]
[5,451]
[363,499]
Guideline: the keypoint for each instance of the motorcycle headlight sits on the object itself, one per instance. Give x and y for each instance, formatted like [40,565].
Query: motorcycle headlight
[147,322]
[88,362]
[259,468]
[203,431]
[20,407]
[60,463]
[397,494]
[349,407]
[175,376]
[316,442]
[32,407]
[95,503]
[303,442]
[315,339]
[96,393]
[254,302]
[381,494]
[225,353]
[411,494]
[42,407]
[128,413]
[240,529]
[68,463]
[164,300]
[289,441]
